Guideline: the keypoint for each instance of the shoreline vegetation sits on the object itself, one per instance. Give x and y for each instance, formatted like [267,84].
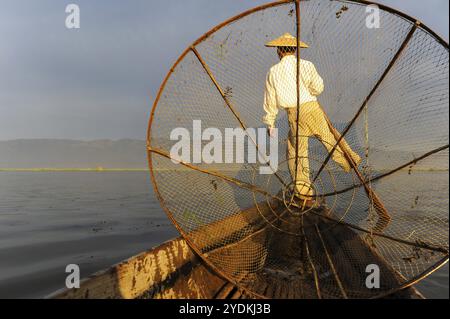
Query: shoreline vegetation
[103,169]
[97,169]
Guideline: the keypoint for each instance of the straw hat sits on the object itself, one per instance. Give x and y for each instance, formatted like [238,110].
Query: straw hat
[286,40]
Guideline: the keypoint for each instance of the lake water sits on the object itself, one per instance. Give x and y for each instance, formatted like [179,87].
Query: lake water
[49,220]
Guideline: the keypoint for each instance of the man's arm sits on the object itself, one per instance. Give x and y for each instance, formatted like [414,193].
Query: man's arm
[316,85]
[270,103]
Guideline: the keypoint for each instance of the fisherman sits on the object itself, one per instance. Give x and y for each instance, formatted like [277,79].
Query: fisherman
[281,93]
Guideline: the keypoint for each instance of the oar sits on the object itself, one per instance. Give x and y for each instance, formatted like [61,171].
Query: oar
[384,217]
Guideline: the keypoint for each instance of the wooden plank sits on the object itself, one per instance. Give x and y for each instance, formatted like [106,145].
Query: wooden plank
[225,292]
[173,270]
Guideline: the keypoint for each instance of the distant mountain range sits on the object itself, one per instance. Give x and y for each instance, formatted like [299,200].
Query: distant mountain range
[55,153]
[131,154]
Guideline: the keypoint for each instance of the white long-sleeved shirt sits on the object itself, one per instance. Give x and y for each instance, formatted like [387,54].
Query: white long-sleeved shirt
[281,82]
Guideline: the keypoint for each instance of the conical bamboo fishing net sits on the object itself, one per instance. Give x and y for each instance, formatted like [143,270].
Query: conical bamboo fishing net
[386,95]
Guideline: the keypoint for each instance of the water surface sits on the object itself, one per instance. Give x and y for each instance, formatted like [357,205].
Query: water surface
[93,219]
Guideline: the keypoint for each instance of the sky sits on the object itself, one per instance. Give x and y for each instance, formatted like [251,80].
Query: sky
[99,81]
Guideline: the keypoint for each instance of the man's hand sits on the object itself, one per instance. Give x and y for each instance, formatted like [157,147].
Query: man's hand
[271,131]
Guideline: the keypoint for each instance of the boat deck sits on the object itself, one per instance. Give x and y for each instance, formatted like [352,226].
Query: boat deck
[317,267]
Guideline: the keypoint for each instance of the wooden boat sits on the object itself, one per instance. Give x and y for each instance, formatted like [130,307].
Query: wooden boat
[174,271]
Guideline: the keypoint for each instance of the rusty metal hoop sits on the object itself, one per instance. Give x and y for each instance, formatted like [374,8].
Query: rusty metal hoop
[248,283]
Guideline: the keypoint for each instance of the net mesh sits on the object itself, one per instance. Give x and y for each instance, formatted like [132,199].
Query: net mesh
[385,101]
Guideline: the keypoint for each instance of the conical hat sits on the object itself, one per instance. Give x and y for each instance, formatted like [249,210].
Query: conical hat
[286,40]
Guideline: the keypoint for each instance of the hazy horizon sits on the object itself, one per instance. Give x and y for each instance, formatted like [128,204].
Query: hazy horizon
[126,154]
[73,139]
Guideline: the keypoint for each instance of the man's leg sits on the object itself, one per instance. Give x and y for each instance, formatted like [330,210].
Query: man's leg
[303,185]
[319,127]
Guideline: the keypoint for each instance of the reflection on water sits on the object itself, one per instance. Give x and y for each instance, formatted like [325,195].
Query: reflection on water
[49,220]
